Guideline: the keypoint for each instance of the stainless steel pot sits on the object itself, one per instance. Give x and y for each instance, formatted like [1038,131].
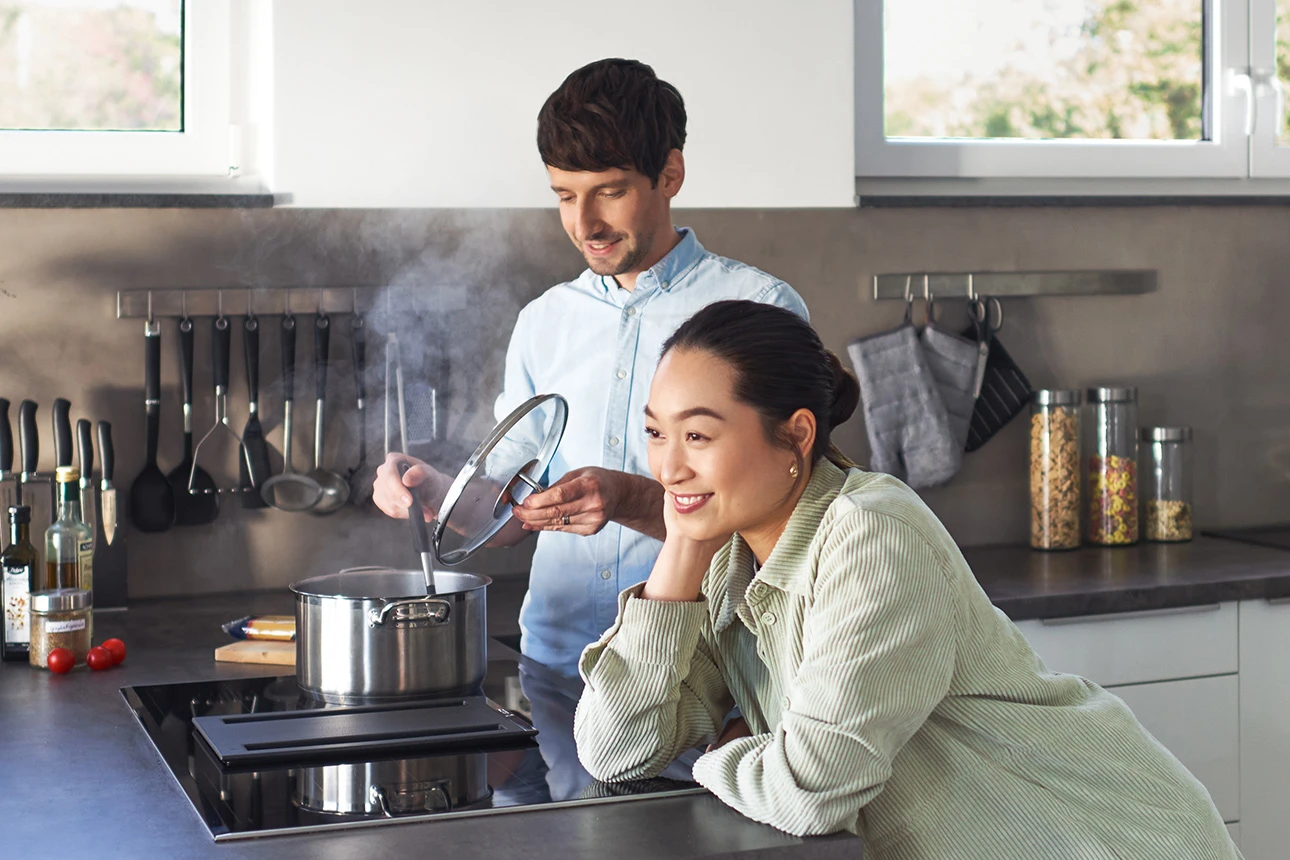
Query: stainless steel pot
[368,635]
[395,787]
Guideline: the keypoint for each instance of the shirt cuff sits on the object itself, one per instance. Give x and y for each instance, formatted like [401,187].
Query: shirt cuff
[648,631]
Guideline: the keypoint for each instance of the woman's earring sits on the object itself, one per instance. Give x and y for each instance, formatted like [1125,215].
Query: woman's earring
[792,470]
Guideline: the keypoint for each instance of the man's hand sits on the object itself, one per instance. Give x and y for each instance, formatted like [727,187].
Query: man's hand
[580,503]
[393,494]
[734,730]
[591,497]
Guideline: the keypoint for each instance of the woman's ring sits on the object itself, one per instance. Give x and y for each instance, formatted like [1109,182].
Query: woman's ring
[565,519]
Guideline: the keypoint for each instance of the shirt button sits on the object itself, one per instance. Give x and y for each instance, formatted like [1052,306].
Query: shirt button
[631,312]
[665,284]
[613,440]
[768,618]
[788,705]
[605,574]
[622,374]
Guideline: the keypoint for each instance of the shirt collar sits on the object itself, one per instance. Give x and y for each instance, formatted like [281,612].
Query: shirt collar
[668,271]
[784,569]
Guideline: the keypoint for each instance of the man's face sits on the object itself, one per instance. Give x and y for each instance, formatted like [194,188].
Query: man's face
[614,217]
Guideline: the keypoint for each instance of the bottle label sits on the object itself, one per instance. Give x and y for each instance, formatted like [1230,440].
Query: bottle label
[87,564]
[17,604]
[69,626]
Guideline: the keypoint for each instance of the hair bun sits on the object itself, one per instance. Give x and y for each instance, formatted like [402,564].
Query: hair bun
[846,392]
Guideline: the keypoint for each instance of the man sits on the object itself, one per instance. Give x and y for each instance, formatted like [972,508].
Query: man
[611,138]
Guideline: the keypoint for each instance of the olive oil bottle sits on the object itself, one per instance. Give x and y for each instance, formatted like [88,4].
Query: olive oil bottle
[69,543]
[19,567]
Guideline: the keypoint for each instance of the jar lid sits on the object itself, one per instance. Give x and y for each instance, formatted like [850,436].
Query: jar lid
[1112,395]
[67,474]
[1056,397]
[60,600]
[1166,434]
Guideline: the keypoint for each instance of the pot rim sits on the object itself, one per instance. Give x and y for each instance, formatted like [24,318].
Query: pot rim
[301,587]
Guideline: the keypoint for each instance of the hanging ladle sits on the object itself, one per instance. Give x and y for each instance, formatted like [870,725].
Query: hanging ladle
[416,515]
[289,491]
[335,489]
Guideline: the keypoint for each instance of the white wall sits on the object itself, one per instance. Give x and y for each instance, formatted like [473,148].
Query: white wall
[390,103]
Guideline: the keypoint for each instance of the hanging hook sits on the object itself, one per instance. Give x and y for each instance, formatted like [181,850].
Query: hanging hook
[185,322]
[909,299]
[221,322]
[250,310]
[150,318]
[929,300]
[971,290]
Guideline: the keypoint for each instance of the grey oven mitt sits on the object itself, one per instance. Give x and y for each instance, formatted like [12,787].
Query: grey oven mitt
[956,363]
[908,425]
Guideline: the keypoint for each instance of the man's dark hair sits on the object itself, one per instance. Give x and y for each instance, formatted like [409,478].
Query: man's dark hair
[612,113]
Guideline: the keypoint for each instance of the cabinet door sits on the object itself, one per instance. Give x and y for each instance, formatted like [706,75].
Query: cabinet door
[1196,720]
[1265,729]
[1138,647]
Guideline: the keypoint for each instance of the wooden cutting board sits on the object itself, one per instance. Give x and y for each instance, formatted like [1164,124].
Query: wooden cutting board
[252,651]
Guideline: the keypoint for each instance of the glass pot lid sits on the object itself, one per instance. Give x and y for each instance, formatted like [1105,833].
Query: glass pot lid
[505,469]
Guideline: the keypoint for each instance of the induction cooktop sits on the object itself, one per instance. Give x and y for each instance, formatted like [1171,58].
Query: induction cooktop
[535,766]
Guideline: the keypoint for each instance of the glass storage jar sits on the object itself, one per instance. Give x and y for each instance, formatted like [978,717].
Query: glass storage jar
[1166,484]
[60,618]
[1054,469]
[1111,452]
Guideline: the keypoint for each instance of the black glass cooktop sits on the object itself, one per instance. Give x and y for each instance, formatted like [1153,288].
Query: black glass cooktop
[527,772]
[1277,536]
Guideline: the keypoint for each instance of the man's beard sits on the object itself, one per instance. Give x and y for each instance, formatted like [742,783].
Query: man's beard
[632,256]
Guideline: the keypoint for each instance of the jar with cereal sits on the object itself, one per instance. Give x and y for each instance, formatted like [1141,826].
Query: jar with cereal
[1111,451]
[1166,484]
[1054,469]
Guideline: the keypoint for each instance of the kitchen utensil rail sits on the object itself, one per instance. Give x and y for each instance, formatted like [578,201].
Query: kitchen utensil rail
[267,301]
[972,285]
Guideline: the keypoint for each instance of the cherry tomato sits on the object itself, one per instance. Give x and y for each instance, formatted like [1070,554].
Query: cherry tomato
[116,648]
[99,658]
[60,661]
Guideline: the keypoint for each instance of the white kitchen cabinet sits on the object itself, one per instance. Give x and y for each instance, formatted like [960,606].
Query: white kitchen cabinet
[1265,729]
[1138,647]
[393,103]
[1177,669]
[1198,721]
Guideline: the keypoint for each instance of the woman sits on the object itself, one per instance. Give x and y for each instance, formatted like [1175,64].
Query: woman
[881,690]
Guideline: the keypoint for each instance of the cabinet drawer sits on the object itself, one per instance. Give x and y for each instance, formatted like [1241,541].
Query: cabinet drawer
[1137,647]
[1198,721]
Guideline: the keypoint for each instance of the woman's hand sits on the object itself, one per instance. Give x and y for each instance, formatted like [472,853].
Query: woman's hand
[734,730]
[678,572]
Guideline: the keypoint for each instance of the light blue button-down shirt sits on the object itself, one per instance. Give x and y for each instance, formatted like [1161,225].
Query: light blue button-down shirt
[598,344]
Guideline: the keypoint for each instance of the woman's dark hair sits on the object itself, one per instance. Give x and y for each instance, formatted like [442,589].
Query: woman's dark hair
[612,113]
[780,366]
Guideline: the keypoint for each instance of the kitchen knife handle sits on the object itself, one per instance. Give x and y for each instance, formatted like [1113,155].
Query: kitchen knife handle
[186,359]
[251,342]
[85,447]
[288,358]
[358,341]
[6,438]
[62,432]
[221,339]
[28,440]
[322,351]
[106,452]
[152,369]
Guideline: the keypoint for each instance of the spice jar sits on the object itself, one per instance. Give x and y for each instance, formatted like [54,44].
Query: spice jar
[1166,490]
[60,619]
[1054,469]
[1112,452]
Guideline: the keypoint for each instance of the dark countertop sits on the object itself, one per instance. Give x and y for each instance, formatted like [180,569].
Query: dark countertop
[1027,583]
[80,779]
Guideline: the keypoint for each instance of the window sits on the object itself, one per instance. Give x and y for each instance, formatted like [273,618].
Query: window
[1072,88]
[112,88]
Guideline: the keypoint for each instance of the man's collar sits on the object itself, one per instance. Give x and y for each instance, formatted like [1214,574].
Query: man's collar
[668,271]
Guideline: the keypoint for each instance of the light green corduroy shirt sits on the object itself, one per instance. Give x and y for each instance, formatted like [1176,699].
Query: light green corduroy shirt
[886,696]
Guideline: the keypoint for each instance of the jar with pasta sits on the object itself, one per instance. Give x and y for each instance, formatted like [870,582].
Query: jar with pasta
[1111,451]
[1054,469]
[1166,484]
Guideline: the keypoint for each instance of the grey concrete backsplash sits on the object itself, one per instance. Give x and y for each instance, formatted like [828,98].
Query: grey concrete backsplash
[1210,348]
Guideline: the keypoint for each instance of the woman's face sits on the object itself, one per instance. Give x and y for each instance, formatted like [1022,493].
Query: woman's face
[711,454]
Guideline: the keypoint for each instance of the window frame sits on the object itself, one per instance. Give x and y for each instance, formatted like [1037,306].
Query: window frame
[203,149]
[1226,156]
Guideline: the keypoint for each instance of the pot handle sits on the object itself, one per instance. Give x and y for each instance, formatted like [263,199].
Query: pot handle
[437,800]
[437,612]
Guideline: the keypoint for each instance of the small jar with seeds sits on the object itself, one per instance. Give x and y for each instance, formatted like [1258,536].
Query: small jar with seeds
[1166,484]
[1054,469]
[60,618]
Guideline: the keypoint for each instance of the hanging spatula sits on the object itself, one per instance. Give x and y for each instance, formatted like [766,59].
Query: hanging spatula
[253,465]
